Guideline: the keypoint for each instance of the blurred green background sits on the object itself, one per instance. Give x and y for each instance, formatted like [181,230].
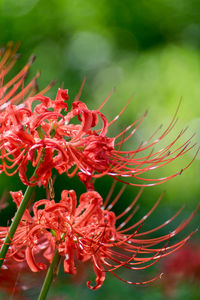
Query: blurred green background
[149,48]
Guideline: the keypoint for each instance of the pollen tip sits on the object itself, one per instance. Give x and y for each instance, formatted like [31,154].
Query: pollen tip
[35,84]
[32,59]
[53,82]
[161,275]
[181,172]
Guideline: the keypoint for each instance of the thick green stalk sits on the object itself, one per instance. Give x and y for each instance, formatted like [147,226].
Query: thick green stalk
[18,216]
[15,223]
[51,273]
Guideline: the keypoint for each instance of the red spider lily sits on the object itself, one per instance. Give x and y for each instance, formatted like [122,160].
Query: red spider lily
[9,278]
[184,265]
[88,232]
[38,132]
[16,278]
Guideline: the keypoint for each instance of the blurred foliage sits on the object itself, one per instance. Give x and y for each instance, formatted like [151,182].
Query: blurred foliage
[149,48]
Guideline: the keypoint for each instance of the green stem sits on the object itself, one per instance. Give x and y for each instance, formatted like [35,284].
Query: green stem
[19,213]
[52,271]
[15,224]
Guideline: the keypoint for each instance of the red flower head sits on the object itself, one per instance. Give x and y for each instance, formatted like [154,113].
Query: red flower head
[41,131]
[184,265]
[16,278]
[87,232]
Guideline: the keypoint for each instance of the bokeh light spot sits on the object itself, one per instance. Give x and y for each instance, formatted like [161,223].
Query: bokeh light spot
[88,51]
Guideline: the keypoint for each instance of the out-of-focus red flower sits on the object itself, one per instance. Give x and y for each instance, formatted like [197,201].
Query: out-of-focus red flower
[10,281]
[87,232]
[16,279]
[182,266]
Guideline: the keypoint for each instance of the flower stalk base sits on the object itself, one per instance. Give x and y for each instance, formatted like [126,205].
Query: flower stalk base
[52,271]
[15,223]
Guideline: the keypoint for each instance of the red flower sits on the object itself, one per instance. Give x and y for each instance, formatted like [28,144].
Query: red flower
[38,132]
[87,232]
[41,131]
[16,278]
[184,265]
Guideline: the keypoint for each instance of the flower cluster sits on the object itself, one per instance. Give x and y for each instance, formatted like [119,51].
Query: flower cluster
[36,130]
[87,231]
[42,131]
